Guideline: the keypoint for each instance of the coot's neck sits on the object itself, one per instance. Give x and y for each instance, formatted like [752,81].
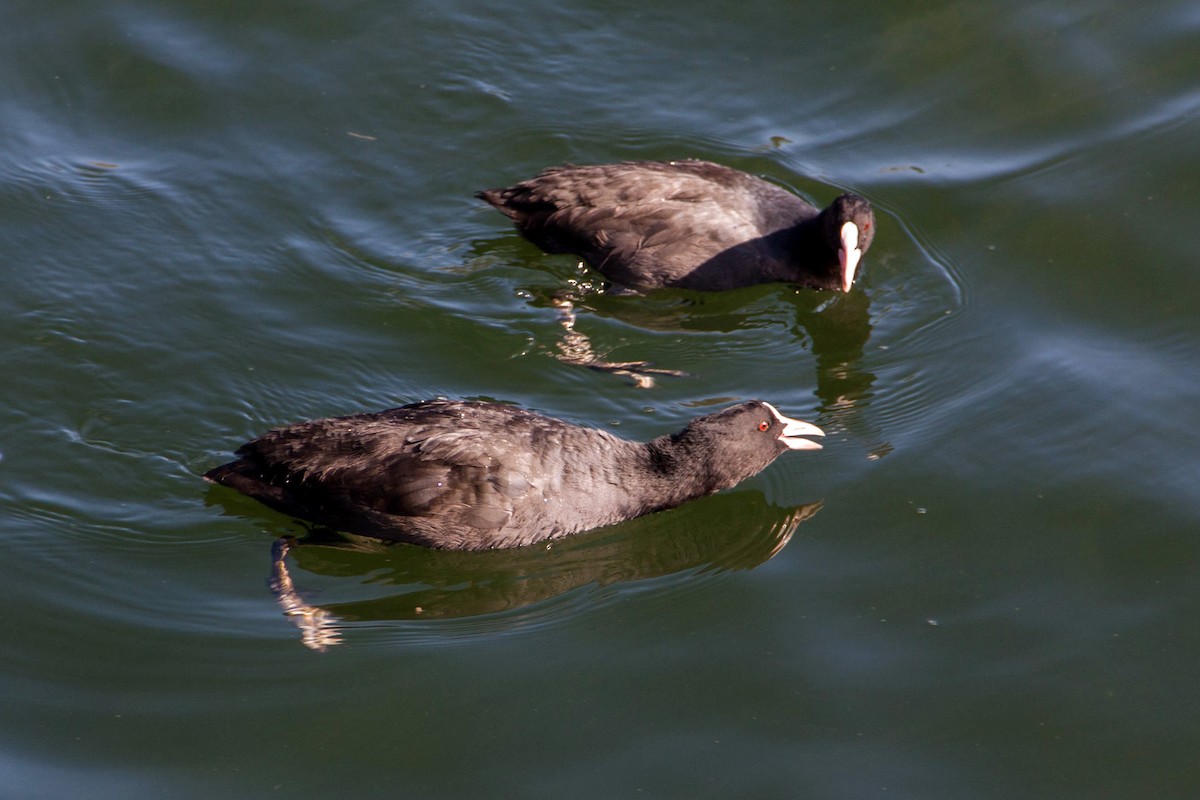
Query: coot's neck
[681,468]
[804,255]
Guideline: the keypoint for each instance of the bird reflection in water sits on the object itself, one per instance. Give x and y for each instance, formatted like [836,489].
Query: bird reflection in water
[835,325]
[318,628]
[504,585]
[575,348]
[839,329]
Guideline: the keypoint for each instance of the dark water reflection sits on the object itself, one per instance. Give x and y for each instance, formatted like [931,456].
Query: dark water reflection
[514,588]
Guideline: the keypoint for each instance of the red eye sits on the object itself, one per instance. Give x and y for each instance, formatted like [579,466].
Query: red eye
[764,426]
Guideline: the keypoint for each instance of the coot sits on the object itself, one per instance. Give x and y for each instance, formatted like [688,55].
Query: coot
[690,224]
[473,475]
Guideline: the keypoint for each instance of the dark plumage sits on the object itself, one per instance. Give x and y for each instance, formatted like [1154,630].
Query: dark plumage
[474,476]
[690,224]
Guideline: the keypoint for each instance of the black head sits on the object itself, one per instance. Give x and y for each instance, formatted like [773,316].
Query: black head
[849,229]
[744,439]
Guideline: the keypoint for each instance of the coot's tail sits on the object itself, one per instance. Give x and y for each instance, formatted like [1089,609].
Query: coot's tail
[246,477]
[507,203]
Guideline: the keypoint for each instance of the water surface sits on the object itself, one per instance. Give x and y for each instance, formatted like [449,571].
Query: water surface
[220,220]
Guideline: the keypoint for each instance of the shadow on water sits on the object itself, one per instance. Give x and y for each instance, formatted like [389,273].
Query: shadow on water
[506,589]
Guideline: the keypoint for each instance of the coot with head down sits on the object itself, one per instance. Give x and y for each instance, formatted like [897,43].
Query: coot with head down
[688,224]
[474,475]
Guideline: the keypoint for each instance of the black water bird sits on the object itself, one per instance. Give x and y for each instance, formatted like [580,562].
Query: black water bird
[688,224]
[474,476]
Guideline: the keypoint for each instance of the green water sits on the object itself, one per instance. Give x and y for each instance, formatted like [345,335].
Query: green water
[215,220]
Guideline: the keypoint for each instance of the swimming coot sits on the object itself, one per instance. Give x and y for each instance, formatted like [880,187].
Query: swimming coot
[473,476]
[690,224]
